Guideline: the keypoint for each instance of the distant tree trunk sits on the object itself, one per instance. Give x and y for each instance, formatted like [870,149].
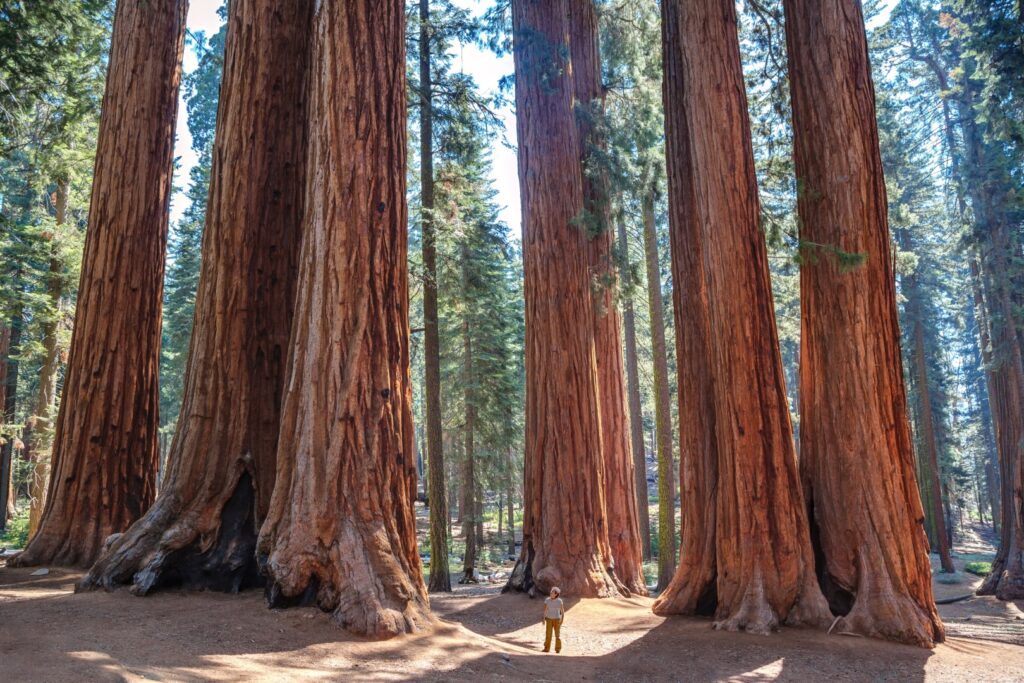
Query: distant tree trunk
[511,511]
[662,409]
[10,341]
[38,436]
[746,550]
[565,529]
[105,454]
[929,459]
[620,498]
[858,468]
[341,529]
[440,581]
[501,513]
[636,425]
[201,532]
[987,193]
[469,518]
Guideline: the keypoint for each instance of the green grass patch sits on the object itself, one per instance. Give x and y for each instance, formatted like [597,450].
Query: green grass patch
[978,568]
[16,535]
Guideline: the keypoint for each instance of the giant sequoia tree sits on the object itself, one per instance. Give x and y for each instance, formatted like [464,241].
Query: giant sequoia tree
[341,531]
[746,554]
[202,530]
[565,526]
[858,466]
[621,501]
[105,449]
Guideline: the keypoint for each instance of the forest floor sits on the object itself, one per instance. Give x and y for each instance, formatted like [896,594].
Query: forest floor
[47,633]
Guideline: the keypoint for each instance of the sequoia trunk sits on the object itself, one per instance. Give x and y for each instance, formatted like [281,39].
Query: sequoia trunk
[565,526]
[857,465]
[341,532]
[201,532]
[620,499]
[105,453]
[752,523]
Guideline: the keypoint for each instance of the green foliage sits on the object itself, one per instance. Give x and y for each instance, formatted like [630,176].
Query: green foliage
[978,568]
[203,88]
[16,533]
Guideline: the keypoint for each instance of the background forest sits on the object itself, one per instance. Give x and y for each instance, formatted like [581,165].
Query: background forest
[949,80]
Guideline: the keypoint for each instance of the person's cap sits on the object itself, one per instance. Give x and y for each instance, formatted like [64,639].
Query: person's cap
[557,590]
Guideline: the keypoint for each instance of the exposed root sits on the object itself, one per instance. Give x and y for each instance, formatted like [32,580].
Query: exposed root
[753,614]
[367,589]
[170,546]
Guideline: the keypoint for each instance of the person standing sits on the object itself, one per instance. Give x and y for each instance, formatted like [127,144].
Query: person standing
[554,612]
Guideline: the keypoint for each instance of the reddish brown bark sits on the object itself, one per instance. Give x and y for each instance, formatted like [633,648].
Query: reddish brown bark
[746,549]
[565,528]
[341,532]
[857,463]
[201,532]
[105,452]
[620,499]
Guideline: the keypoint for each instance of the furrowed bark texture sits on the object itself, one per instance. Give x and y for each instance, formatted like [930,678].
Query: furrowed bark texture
[856,453]
[341,532]
[620,499]
[763,563]
[440,581]
[105,455]
[201,532]
[636,426]
[565,529]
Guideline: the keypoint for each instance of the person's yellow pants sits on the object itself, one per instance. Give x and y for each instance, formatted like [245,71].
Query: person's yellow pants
[556,626]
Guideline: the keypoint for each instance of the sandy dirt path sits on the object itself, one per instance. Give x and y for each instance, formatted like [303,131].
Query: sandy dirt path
[49,634]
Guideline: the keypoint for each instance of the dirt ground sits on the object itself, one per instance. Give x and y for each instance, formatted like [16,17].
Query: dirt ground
[47,633]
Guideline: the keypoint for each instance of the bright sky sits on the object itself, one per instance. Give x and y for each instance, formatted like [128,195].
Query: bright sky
[485,68]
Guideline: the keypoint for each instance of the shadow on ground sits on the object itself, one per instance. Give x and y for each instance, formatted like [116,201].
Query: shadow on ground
[48,633]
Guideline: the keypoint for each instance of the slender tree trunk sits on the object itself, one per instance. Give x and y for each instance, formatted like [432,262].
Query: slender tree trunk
[565,531]
[38,443]
[761,570]
[9,343]
[662,409]
[929,459]
[858,469]
[469,519]
[636,426]
[511,510]
[201,532]
[440,581]
[105,454]
[341,530]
